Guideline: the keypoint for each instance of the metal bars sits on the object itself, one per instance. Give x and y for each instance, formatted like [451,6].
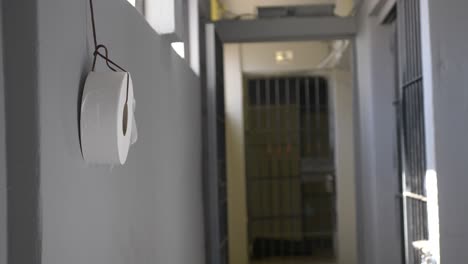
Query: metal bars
[289,168]
[411,124]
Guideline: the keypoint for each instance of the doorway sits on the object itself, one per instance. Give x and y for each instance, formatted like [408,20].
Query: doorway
[290,153]
[290,172]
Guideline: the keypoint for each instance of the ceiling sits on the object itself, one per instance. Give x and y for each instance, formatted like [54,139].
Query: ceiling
[307,56]
[243,7]
[259,58]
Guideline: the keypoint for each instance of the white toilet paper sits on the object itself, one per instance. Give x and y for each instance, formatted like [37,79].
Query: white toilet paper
[108,127]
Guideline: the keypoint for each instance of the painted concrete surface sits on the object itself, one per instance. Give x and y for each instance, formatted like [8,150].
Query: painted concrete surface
[445,74]
[63,210]
[3,177]
[378,219]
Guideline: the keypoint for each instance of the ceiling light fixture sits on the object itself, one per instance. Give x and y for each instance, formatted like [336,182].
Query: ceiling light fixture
[284,56]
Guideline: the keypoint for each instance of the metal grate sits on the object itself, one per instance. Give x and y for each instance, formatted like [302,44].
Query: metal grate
[411,131]
[290,171]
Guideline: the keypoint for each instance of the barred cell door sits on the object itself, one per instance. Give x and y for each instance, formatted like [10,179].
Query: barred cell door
[289,170]
[411,128]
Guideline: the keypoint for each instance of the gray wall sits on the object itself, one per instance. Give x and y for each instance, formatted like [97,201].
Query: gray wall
[377,174]
[21,119]
[150,209]
[446,84]
[3,195]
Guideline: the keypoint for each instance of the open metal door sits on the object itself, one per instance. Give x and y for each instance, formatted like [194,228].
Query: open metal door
[215,151]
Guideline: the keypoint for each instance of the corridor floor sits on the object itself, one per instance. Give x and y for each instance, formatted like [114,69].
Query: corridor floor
[294,260]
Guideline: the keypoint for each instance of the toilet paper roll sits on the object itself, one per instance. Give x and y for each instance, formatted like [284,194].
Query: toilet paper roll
[107,117]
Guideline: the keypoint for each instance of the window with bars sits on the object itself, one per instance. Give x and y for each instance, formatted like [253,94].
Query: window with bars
[289,168]
[411,128]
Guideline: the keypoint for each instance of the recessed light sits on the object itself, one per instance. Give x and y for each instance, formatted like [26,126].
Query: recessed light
[284,56]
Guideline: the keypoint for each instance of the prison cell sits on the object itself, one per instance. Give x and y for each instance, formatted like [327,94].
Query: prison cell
[411,132]
[289,168]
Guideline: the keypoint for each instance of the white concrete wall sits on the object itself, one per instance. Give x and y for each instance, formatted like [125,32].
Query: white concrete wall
[342,85]
[194,35]
[235,155]
[379,226]
[149,210]
[445,74]
[431,174]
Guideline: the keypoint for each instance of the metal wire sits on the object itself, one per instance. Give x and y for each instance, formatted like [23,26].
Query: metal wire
[105,56]
[100,46]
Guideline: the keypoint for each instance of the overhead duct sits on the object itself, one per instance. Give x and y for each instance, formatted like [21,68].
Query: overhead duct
[317,10]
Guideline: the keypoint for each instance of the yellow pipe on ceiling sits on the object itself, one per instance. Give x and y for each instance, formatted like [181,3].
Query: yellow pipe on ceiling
[216,12]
